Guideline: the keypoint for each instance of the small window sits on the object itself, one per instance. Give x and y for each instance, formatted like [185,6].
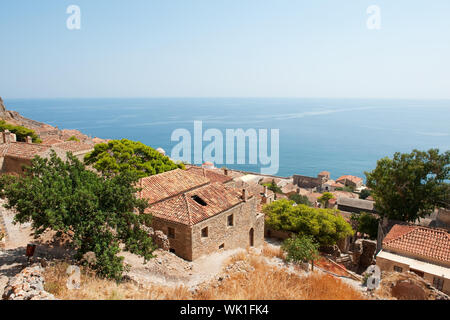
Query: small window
[199,200]
[171,233]
[397,269]
[222,246]
[230,221]
[172,250]
[438,283]
[205,232]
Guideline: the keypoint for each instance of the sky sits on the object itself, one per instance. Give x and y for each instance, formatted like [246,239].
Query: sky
[233,48]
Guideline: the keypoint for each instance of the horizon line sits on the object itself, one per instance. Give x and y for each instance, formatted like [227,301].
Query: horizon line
[225,97]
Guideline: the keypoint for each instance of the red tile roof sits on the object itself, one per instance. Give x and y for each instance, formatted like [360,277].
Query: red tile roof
[426,242]
[168,184]
[51,141]
[170,196]
[74,146]
[184,209]
[354,179]
[211,175]
[22,149]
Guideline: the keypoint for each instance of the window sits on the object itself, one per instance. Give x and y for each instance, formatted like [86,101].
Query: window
[222,246]
[199,200]
[230,221]
[172,250]
[397,269]
[205,232]
[438,283]
[171,233]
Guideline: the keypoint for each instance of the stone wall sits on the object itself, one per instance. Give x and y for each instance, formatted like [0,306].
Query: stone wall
[14,165]
[388,266]
[278,234]
[245,219]
[182,240]
[189,244]
[307,182]
[27,285]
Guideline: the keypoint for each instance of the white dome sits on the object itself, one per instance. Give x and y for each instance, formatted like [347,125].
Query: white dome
[161,150]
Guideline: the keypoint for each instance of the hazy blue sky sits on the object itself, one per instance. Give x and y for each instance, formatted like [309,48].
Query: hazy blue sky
[233,48]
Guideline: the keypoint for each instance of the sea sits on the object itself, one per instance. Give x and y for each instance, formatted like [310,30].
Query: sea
[342,136]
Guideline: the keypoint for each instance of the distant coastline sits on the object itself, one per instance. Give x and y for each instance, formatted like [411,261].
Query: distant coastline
[343,136]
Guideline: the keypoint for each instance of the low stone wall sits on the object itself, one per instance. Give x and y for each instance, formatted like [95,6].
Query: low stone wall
[27,285]
[279,234]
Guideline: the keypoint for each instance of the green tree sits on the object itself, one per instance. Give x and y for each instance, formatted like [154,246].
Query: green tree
[273,187]
[21,132]
[95,212]
[325,225]
[327,196]
[301,249]
[366,223]
[125,155]
[364,194]
[73,138]
[410,185]
[300,199]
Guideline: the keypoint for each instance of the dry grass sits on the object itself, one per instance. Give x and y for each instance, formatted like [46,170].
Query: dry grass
[94,288]
[273,252]
[270,283]
[262,282]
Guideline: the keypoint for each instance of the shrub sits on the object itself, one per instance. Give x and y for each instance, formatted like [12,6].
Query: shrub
[299,199]
[124,155]
[21,132]
[366,223]
[73,138]
[325,225]
[301,249]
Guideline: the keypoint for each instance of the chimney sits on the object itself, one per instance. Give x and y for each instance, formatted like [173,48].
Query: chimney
[7,136]
[204,172]
[244,195]
[13,137]
[265,191]
[29,139]
[225,171]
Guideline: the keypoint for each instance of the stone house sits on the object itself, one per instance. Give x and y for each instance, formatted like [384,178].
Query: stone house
[201,215]
[350,181]
[15,155]
[422,250]
[78,149]
[312,183]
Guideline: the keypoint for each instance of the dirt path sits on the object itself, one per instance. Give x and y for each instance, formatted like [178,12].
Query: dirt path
[169,270]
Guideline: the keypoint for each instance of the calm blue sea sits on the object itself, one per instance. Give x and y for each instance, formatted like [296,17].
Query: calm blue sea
[341,136]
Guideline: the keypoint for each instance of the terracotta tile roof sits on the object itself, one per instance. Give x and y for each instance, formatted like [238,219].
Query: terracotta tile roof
[22,149]
[51,141]
[212,175]
[426,242]
[354,179]
[168,184]
[172,195]
[73,146]
[184,209]
[45,128]
[97,140]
